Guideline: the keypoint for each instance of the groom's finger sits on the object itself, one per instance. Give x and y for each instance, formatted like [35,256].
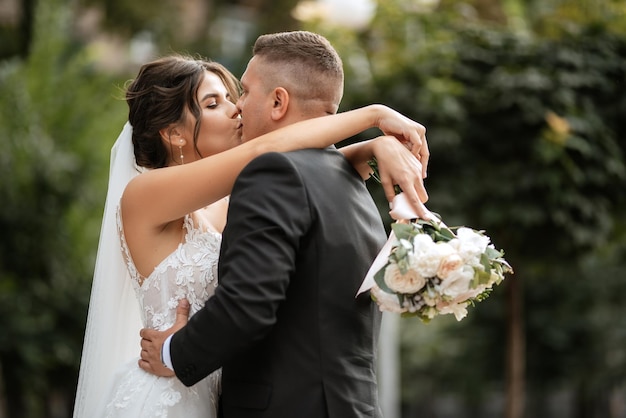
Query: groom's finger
[182,314]
[158,370]
[146,334]
[144,365]
[150,360]
[145,345]
[424,157]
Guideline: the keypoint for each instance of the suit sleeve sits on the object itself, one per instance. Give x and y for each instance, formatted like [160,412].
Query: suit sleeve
[267,216]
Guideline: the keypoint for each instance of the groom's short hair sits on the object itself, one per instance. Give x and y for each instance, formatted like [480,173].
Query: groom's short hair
[304,63]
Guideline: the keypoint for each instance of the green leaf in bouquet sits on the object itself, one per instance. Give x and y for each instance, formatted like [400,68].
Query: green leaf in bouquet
[379,278]
[481,276]
[446,234]
[374,166]
[480,297]
[425,223]
[400,250]
[499,276]
[501,267]
[475,280]
[405,244]
[485,262]
[506,267]
[492,253]
[404,231]
[437,231]
[403,265]
[431,231]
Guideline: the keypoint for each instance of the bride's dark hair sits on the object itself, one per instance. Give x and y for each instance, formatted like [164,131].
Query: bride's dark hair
[158,97]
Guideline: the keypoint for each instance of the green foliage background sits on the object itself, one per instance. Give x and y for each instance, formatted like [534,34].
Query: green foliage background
[524,103]
[58,121]
[528,142]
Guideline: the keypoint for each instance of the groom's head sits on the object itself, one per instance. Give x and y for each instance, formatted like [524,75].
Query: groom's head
[292,76]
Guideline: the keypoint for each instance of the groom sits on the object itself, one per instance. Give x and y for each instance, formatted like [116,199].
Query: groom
[302,231]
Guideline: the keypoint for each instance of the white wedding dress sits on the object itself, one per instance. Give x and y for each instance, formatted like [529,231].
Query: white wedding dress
[189,272]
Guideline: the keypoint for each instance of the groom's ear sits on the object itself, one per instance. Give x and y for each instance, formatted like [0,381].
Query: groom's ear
[281,103]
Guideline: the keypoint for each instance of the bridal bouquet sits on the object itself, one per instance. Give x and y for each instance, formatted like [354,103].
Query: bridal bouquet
[428,269]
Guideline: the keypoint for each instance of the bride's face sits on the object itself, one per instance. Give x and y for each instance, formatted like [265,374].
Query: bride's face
[219,119]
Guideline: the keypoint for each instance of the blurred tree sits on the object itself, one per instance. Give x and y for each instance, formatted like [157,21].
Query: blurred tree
[16,28]
[273,15]
[529,120]
[523,100]
[56,111]
[128,18]
[540,150]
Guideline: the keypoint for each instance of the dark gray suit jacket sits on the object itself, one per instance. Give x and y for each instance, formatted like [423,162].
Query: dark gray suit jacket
[284,322]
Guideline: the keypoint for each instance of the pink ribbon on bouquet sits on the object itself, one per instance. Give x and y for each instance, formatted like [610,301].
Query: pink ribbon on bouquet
[401,209]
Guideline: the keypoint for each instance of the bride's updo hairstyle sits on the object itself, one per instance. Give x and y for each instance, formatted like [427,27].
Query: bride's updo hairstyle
[160,95]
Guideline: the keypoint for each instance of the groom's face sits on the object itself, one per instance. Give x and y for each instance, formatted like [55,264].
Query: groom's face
[255,104]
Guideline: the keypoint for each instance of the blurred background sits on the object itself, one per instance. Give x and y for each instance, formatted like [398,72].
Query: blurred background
[524,102]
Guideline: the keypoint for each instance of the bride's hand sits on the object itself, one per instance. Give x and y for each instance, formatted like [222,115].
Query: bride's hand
[152,343]
[407,131]
[398,166]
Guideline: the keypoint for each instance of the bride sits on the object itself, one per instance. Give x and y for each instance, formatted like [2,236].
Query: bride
[160,238]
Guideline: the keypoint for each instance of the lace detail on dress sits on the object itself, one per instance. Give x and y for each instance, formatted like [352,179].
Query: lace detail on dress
[189,272]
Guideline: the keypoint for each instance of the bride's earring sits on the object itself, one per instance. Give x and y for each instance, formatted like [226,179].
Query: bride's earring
[182,158]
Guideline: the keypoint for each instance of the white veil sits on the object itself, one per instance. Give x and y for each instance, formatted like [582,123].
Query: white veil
[113,323]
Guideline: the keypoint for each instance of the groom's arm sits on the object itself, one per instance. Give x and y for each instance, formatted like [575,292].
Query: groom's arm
[268,214]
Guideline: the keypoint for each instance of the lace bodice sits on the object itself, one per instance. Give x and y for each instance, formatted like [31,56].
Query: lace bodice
[189,272]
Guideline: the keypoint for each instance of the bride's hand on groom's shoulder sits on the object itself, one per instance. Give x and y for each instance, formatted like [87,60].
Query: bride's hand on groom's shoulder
[152,343]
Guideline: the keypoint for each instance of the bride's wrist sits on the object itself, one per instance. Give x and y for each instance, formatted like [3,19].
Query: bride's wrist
[378,114]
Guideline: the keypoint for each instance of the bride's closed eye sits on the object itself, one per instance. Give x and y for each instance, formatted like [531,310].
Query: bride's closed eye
[214,103]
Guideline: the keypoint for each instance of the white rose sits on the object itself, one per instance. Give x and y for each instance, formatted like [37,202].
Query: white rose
[470,245]
[449,263]
[469,236]
[410,282]
[457,282]
[427,255]
[386,301]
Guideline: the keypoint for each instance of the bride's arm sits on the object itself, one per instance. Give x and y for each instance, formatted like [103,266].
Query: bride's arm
[407,131]
[172,192]
[396,166]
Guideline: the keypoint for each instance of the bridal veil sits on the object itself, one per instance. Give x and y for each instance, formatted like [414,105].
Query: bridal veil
[113,322]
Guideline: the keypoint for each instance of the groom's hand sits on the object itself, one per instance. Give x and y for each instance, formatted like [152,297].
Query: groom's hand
[405,171]
[152,343]
[408,131]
